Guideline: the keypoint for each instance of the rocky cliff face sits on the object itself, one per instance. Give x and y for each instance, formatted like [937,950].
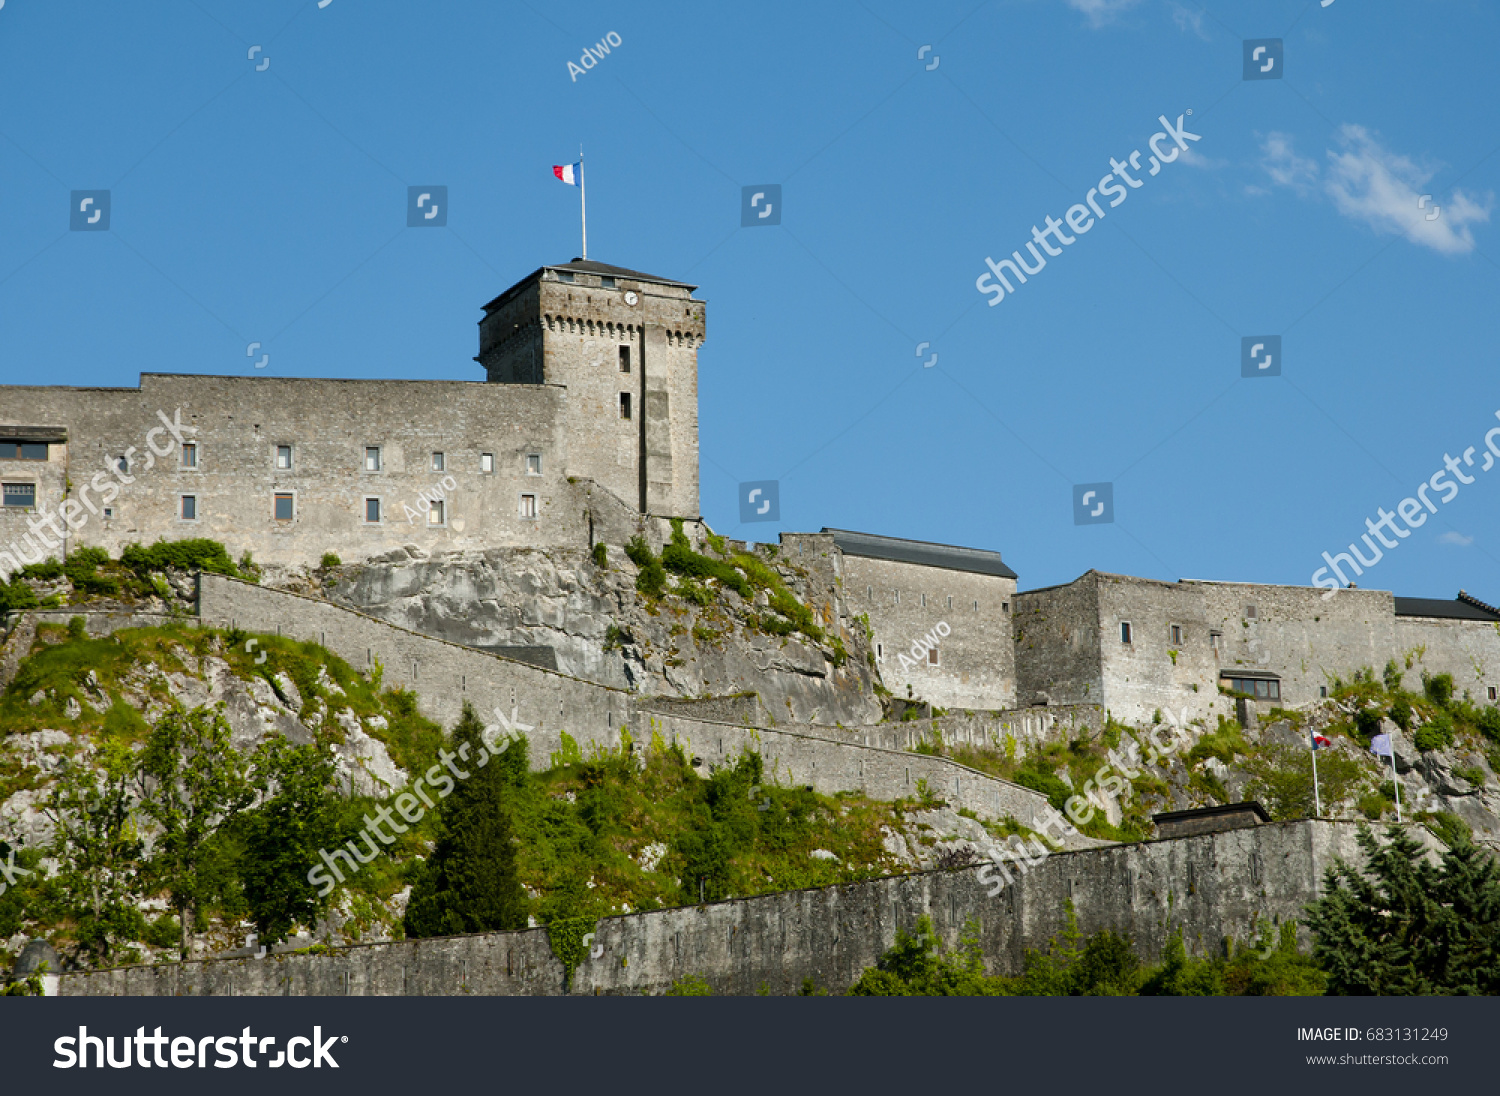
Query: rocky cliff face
[602,629]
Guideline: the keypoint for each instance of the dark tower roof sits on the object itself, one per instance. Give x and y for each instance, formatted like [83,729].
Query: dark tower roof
[1463,607]
[980,561]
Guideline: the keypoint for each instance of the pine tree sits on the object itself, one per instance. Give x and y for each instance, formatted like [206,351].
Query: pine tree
[1409,927]
[470,884]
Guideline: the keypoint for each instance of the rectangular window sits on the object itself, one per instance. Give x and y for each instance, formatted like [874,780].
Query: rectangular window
[528,506]
[109,512]
[284,458]
[624,405]
[20,496]
[932,656]
[880,652]
[869,593]
[1214,638]
[189,455]
[1124,631]
[122,464]
[487,463]
[1250,611]
[624,359]
[950,601]
[372,511]
[372,458]
[533,464]
[565,275]
[435,513]
[437,462]
[1323,692]
[1494,693]
[1260,688]
[189,508]
[1004,606]
[1174,634]
[606,282]
[12,449]
[285,507]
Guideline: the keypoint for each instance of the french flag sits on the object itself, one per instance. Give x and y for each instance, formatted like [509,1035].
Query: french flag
[1320,742]
[568,173]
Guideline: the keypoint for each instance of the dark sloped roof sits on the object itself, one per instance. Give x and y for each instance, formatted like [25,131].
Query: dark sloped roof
[1249,806]
[1462,607]
[980,561]
[587,266]
[34,433]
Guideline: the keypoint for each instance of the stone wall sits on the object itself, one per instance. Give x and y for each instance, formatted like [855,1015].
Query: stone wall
[237,425]
[547,703]
[1069,644]
[1210,886]
[1028,727]
[973,666]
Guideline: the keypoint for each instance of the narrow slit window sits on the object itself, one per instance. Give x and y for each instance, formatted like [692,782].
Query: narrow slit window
[284,458]
[372,458]
[189,455]
[1174,635]
[932,656]
[189,508]
[624,359]
[372,511]
[624,405]
[435,513]
[1124,631]
[438,462]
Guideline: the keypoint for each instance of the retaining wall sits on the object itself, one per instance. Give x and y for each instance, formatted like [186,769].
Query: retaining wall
[545,703]
[1209,886]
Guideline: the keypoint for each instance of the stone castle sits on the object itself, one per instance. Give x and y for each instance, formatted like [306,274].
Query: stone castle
[586,430]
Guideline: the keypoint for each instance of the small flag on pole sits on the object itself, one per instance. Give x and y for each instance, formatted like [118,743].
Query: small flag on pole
[1320,742]
[571,174]
[1380,745]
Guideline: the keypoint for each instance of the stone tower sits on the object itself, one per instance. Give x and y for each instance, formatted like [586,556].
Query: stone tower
[625,346]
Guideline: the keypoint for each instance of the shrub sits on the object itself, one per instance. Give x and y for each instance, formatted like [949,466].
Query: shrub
[77,628]
[1488,723]
[690,985]
[652,581]
[1439,688]
[1436,733]
[1392,676]
[184,555]
[1049,784]
[601,555]
[330,562]
[1366,724]
[1401,714]
[678,556]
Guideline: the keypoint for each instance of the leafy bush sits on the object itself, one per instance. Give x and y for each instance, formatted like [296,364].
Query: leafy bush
[184,555]
[1366,724]
[1438,687]
[1436,733]
[77,628]
[1049,784]
[601,555]
[330,561]
[678,557]
[690,985]
[652,581]
[1401,713]
[1281,778]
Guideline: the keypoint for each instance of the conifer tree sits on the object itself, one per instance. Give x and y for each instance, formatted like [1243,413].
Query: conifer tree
[1409,927]
[470,883]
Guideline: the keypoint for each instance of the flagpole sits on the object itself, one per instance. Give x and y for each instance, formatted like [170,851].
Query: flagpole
[583,203]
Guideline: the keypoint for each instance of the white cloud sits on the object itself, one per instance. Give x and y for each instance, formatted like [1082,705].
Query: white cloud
[1102,12]
[1188,19]
[1193,158]
[1284,166]
[1383,189]
[1459,539]
[1370,183]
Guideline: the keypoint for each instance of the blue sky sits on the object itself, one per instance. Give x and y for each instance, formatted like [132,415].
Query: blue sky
[267,204]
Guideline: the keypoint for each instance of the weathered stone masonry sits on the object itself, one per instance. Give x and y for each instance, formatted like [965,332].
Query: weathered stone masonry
[1209,886]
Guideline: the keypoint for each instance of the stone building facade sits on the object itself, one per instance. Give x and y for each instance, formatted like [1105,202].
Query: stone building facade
[1139,646]
[940,614]
[592,389]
